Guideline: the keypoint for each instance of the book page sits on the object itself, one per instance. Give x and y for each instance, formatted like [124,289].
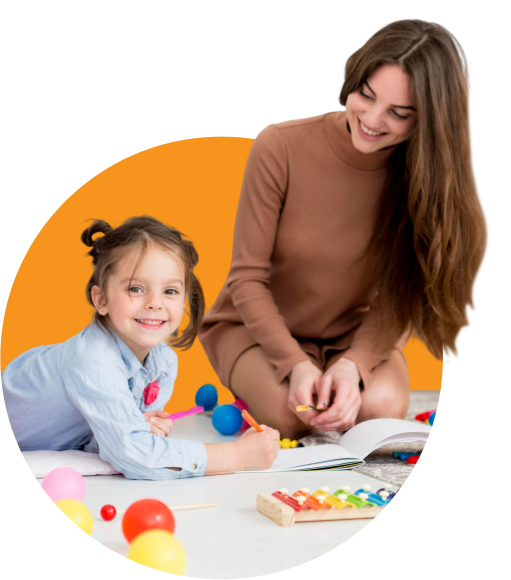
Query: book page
[313,457]
[369,435]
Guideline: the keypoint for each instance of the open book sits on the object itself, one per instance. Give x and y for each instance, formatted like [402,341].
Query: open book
[354,446]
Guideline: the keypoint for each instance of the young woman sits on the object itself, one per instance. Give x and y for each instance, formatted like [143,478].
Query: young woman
[354,229]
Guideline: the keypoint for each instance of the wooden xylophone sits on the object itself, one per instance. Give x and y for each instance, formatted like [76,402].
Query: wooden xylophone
[302,506]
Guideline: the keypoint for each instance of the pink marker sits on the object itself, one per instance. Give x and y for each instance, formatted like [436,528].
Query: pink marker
[182,414]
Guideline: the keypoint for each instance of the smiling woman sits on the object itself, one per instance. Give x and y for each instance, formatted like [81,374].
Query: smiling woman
[380,123]
[355,230]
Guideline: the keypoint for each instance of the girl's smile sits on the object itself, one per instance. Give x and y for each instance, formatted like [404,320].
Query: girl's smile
[145,306]
[151,324]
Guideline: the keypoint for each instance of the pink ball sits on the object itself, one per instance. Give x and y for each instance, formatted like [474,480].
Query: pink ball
[64,483]
[242,406]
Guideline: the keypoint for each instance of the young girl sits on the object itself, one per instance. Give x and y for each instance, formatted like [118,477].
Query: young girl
[105,388]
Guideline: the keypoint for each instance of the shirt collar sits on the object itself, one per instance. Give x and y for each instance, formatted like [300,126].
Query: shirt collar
[154,365]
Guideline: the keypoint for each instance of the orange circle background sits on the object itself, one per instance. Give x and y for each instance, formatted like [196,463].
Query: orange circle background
[192,185]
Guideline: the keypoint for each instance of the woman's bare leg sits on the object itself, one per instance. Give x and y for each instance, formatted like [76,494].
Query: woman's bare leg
[253,380]
[388,395]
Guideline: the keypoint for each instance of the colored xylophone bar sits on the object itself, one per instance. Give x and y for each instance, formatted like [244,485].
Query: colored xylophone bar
[302,506]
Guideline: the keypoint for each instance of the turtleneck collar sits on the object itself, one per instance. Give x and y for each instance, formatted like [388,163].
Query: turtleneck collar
[339,139]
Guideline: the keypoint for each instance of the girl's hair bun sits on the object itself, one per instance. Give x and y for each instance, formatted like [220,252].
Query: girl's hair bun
[98,226]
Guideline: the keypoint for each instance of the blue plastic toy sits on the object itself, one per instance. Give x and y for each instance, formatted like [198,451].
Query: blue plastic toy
[227,419]
[431,418]
[405,455]
[206,397]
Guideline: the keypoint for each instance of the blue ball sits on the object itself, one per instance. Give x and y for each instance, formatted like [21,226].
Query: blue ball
[206,397]
[227,419]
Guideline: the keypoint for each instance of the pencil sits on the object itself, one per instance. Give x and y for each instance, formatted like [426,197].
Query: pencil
[301,408]
[251,421]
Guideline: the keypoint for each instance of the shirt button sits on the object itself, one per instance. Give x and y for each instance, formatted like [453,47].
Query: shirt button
[194,466]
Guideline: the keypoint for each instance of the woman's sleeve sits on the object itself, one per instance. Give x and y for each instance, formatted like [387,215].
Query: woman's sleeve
[365,350]
[257,220]
[98,387]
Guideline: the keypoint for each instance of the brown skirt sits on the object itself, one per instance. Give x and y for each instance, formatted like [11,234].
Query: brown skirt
[224,342]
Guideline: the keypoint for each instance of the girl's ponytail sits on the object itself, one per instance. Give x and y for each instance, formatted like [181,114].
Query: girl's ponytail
[197,306]
[97,226]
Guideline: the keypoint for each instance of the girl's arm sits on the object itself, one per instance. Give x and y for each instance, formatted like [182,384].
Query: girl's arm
[98,387]
[97,384]
[253,450]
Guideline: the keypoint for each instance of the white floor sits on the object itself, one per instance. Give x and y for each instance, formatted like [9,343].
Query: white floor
[232,540]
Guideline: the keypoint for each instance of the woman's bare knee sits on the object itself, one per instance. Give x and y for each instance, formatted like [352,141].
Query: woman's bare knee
[384,401]
[253,379]
[388,395]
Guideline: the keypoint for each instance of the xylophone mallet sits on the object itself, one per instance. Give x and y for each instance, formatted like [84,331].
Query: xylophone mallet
[179,507]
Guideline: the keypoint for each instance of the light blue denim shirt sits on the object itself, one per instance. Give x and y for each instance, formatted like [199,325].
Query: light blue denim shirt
[87,392]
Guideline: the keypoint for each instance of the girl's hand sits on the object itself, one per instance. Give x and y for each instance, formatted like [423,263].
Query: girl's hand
[257,450]
[304,383]
[159,422]
[340,381]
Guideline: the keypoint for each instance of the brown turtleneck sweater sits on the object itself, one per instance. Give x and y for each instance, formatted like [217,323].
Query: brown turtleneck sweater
[297,282]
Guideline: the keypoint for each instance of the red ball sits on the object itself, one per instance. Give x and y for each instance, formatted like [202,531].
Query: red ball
[147,514]
[108,512]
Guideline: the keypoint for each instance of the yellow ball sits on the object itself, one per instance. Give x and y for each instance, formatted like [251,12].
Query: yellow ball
[158,549]
[285,443]
[294,443]
[77,513]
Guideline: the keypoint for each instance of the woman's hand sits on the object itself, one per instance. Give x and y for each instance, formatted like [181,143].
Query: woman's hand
[304,383]
[159,422]
[340,382]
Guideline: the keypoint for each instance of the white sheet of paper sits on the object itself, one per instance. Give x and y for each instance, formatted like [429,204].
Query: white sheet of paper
[357,443]
[370,435]
[309,457]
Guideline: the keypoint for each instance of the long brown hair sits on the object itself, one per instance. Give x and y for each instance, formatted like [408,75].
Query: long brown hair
[430,234]
[135,234]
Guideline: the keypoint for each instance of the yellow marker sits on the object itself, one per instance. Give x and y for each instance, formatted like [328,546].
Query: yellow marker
[301,408]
